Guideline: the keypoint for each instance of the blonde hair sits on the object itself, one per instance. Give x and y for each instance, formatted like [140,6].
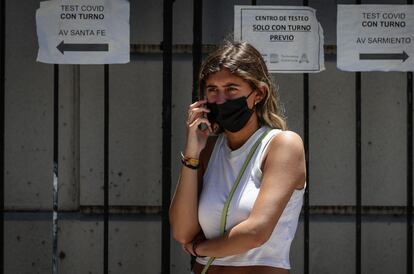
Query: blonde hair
[243,60]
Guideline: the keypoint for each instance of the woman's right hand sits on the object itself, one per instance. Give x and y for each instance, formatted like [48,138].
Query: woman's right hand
[196,137]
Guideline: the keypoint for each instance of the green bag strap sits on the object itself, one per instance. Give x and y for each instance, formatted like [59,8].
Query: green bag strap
[233,189]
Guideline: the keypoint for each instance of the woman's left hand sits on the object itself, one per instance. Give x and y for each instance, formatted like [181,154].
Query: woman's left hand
[188,248]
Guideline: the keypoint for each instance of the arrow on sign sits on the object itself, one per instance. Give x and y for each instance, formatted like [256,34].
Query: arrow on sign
[62,47]
[384,56]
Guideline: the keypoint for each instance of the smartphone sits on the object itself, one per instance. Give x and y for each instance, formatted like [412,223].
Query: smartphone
[203,126]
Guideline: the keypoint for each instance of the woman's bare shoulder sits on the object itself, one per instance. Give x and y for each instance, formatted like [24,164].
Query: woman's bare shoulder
[286,150]
[285,143]
[287,139]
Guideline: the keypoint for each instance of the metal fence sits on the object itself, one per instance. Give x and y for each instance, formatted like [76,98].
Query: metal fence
[359,212]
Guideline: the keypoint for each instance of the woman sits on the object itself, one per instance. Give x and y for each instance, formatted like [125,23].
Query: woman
[255,233]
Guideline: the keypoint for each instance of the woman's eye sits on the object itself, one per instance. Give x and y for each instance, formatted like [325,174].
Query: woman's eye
[231,89]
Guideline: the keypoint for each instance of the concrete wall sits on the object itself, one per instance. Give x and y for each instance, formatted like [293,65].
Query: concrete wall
[135,140]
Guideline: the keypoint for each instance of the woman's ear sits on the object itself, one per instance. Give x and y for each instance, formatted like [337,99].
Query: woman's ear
[260,94]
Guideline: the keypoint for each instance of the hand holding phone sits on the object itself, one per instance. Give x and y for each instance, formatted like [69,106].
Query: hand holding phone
[198,128]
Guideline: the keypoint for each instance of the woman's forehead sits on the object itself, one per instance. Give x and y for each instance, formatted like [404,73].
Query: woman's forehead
[224,77]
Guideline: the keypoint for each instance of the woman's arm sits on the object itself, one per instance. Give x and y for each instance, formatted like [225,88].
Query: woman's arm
[284,170]
[183,209]
[183,212]
[187,234]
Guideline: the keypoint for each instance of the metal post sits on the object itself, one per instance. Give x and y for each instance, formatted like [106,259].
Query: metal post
[106,170]
[409,169]
[55,166]
[358,171]
[306,145]
[166,134]
[2,96]
[409,173]
[358,217]
[197,44]
[196,50]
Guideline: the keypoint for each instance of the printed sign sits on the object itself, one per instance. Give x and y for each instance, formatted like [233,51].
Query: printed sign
[375,37]
[83,31]
[289,38]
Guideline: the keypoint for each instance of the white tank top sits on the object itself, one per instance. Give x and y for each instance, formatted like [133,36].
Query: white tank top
[223,168]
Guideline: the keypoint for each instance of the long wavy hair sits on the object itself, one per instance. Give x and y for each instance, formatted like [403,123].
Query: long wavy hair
[243,60]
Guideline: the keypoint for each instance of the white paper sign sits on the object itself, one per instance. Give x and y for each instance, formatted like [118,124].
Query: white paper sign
[289,38]
[375,37]
[83,31]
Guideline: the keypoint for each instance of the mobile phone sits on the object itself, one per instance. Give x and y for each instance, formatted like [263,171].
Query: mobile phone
[203,126]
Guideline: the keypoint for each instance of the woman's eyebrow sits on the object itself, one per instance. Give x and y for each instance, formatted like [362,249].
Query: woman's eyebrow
[231,84]
[226,85]
[211,86]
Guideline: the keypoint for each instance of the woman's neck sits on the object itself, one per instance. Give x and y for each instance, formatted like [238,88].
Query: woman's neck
[237,139]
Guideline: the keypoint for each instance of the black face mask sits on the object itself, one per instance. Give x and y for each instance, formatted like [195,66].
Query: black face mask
[232,115]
